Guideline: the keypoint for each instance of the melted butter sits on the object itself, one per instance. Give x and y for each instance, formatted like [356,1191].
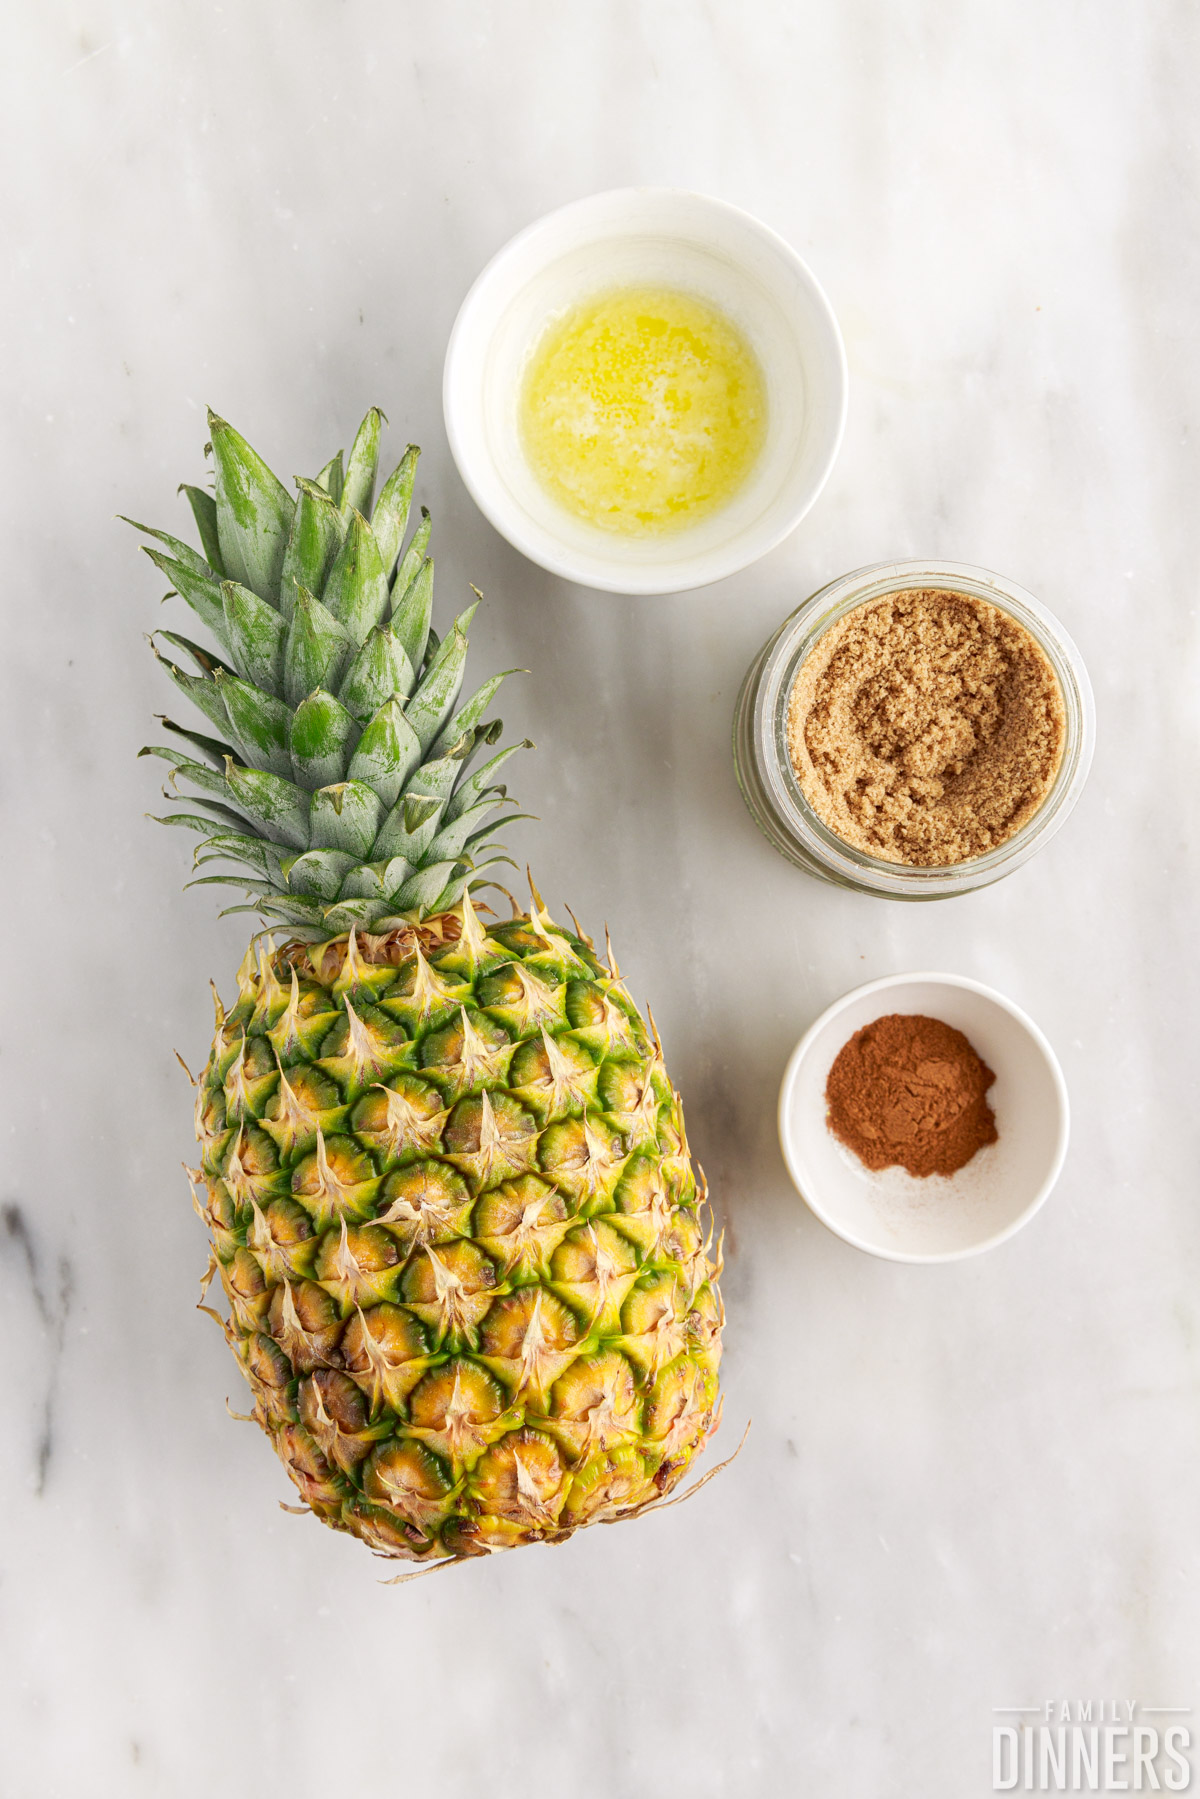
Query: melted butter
[643,410]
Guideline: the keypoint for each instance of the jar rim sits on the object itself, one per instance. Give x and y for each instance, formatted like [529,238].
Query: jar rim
[774,677]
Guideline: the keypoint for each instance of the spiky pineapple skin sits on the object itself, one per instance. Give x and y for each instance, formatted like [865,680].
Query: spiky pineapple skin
[457,1225]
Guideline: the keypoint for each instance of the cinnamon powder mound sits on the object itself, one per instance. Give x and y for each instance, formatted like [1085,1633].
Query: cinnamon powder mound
[910,1092]
[926,727]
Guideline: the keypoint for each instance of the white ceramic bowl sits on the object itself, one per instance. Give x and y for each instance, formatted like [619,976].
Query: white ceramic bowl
[664,237]
[939,1218]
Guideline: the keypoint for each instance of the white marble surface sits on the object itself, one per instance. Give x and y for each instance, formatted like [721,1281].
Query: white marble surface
[965,1487]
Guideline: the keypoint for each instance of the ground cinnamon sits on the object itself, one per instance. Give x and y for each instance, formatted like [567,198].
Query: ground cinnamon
[910,1091]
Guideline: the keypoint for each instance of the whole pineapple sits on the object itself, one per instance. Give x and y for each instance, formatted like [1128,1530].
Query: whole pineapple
[443,1167]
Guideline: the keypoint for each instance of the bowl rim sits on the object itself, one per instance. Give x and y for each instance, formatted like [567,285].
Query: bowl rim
[1040,1041]
[699,570]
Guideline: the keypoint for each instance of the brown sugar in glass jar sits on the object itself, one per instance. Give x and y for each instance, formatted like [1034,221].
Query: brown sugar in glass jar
[914,730]
[925,727]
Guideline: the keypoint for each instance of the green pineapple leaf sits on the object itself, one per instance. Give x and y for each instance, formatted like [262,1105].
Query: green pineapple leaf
[469,715]
[455,837]
[315,649]
[205,661]
[356,589]
[313,542]
[190,821]
[322,737]
[331,478]
[478,784]
[204,511]
[258,721]
[422,888]
[345,816]
[380,671]
[254,512]
[412,608]
[319,873]
[433,702]
[412,558]
[201,691]
[221,813]
[390,517]
[387,752]
[358,489]
[179,551]
[278,807]
[235,846]
[206,779]
[212,747]
[255,634]
[202,595]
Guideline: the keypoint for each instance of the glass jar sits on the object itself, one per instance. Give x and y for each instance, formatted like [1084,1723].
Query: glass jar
[768,781]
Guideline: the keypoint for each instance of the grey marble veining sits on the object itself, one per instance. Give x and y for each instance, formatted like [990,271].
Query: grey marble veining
[964,1487]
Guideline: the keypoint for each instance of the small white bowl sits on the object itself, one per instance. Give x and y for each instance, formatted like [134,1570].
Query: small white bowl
[937,1218]
[661,237]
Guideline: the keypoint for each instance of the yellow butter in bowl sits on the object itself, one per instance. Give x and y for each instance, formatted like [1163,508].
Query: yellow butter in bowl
[643,410]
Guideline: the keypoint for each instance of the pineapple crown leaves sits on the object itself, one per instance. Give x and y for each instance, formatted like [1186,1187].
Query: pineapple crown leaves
[338,779]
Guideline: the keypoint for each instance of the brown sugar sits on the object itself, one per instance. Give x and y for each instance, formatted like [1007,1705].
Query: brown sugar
[910,1091]
[926,727]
